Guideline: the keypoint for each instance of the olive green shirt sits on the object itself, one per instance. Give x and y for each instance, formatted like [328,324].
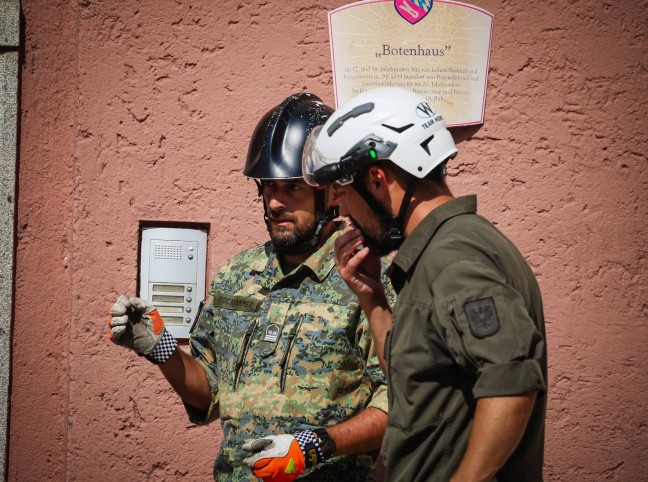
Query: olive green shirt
[468,323]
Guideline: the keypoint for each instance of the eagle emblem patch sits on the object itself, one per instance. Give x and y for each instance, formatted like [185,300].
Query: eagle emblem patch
[482,317]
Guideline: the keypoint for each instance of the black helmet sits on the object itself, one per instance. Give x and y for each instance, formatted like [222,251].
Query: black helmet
[276,149]
[277,144]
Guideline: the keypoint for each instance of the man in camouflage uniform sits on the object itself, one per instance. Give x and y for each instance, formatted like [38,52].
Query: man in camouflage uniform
[281,351]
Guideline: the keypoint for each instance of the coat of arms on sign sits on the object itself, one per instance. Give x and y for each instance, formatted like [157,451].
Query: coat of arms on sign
[413,10]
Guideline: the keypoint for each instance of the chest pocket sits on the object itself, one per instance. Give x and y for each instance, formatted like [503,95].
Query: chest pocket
[416,350]
[233,320]
[271,326]
[328,332]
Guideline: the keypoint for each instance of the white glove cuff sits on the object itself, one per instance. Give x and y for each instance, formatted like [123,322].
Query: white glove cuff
[164,349]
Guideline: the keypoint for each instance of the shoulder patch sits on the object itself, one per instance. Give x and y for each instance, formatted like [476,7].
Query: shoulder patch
[482,317]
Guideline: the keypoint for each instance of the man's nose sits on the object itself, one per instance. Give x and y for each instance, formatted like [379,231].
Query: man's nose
[275,202]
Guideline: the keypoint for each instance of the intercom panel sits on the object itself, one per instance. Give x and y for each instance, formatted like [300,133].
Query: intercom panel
[172,274]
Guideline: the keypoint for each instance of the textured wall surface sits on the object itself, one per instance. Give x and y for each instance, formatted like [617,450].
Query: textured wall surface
[40,382]
[9,41]
[142,110]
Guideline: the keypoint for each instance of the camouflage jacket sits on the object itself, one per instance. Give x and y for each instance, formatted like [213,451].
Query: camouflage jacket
[284,354]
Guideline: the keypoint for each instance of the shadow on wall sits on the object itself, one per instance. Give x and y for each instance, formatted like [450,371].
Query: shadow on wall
[460,134]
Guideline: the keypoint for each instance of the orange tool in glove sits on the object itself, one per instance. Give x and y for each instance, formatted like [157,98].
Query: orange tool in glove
[282,458]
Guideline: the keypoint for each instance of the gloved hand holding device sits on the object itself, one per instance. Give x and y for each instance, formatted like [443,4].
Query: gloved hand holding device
[136,324]
[282,458]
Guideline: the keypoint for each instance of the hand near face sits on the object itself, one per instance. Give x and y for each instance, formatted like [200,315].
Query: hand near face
[358,268]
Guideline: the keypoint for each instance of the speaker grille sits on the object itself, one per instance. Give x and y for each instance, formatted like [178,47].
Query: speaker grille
[167,251]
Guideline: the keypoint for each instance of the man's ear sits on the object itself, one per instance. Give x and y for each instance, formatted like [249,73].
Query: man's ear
[332,196]
[377,181]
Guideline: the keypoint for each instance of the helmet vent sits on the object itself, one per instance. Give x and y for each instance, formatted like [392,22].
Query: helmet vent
[425,143]
[355,112]
[400,130]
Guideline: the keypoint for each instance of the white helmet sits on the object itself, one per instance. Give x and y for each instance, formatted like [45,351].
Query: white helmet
[385,123]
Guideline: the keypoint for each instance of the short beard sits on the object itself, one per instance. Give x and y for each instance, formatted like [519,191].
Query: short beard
[290,242]
[379,244]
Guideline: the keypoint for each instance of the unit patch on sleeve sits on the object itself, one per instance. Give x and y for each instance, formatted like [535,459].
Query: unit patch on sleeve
[482,317]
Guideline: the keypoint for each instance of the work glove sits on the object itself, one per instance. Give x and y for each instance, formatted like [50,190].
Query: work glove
[136,324]
[281,458]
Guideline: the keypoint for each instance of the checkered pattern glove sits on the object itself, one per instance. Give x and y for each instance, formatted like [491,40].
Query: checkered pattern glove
[136,324]
[281,458]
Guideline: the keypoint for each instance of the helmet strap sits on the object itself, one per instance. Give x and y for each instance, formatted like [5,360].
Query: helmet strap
[322,215]
[266,219]
[394,223]
[323,220]
[259,188]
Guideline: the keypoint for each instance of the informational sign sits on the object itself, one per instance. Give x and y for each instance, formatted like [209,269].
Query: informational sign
[437,48]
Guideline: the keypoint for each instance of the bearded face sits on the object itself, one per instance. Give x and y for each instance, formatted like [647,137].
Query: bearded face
[290,214]
[376,236]
[289,232]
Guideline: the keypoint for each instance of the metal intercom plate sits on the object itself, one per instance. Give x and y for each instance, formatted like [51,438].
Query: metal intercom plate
[172,274]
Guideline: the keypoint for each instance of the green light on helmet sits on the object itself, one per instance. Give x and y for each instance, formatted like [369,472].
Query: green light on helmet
[373,154]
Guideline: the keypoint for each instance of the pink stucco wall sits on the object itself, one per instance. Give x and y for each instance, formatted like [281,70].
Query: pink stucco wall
[142,110]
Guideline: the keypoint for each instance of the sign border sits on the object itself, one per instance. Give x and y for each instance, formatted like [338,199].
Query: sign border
[451,2]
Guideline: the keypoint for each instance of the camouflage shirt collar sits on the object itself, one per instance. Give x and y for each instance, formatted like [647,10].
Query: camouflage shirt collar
[320,263]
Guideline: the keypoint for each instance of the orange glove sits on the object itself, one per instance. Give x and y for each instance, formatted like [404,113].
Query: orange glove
[281,458]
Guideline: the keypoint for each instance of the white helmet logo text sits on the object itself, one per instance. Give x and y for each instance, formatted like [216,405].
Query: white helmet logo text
[424,110]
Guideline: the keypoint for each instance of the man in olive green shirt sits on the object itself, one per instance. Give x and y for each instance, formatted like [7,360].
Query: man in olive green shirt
[465,348]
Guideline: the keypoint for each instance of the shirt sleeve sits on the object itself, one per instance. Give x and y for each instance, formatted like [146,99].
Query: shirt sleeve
[372,365]
[201,351]
[488,330]
[374,371]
